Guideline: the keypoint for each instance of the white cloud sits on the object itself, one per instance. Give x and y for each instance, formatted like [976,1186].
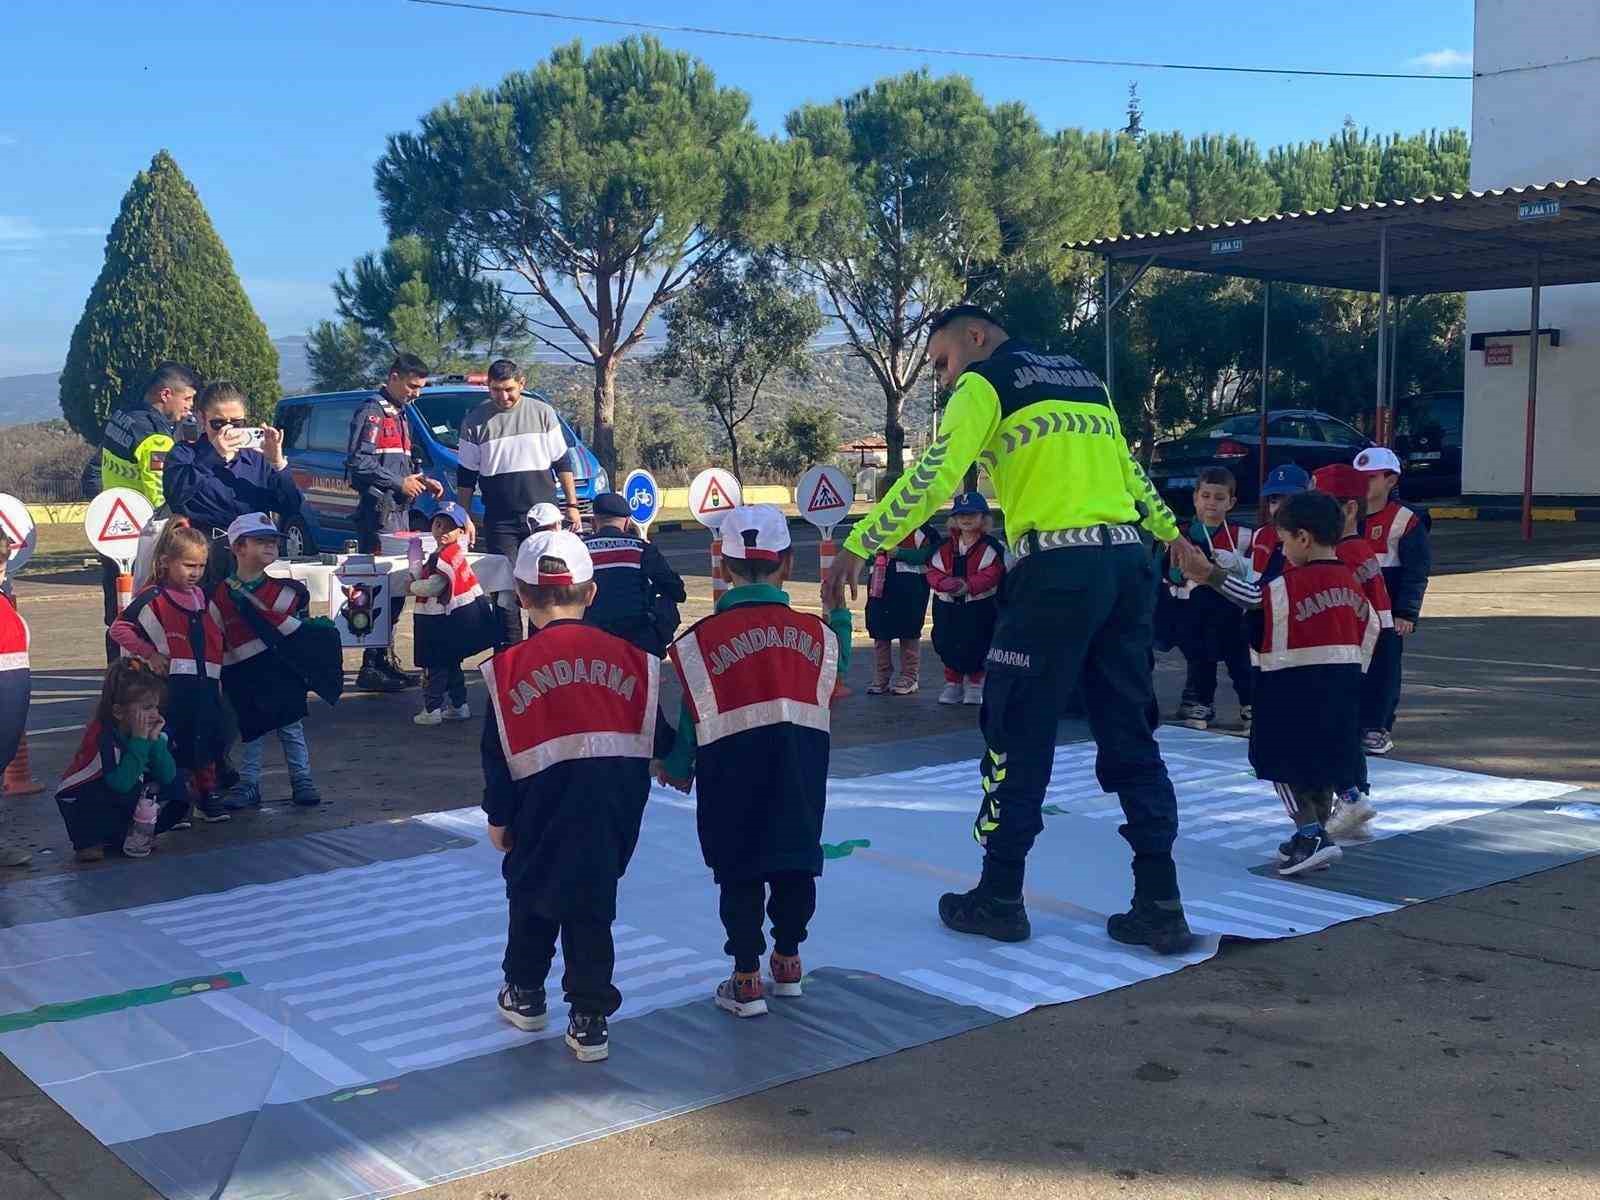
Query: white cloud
[18,233]
[1441,61]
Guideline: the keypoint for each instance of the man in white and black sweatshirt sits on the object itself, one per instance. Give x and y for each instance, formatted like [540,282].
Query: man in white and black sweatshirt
[514,452]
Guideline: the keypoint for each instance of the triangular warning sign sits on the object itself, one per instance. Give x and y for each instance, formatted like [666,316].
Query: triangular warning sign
[119,524]
[715,498]
[12,532]
[824,496]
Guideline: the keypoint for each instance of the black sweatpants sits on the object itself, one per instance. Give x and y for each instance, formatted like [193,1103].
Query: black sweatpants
[101,817]
[790,898]
[108,591]
[505,540]
[1380,686]
[588,955]
[1214,632]
[1075,616]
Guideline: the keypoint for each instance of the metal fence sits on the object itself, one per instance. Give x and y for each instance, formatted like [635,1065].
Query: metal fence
[62,488]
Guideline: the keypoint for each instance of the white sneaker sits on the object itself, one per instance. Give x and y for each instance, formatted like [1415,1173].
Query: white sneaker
[951,694]
[457,712]
[14,854]
[429,716]
[972,693]
[1349,815]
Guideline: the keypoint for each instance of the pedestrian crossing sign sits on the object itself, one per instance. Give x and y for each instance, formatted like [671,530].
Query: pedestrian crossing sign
[824,497]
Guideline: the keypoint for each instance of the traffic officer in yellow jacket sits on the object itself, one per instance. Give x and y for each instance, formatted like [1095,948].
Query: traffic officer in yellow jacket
[1078,607]
[134,446]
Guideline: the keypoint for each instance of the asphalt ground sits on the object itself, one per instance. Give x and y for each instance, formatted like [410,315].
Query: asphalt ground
[1446,1050]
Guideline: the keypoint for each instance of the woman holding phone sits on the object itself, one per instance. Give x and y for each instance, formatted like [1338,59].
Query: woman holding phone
[235,468]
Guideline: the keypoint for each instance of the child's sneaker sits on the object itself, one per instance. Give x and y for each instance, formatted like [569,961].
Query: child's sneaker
[429,716]
[241,796]
[305,794]
[456,712]
[1377,741]
[1285,849]
[587,1036]
[90,854]
[900,685]
[952,694]
[212,810]
[183,822]
[524,1007]
[786,974]
[1351,811]
[1310,852]
[972,694]
[742,994]
[14,854]
[138,844]
[1247,716]
[1196,716]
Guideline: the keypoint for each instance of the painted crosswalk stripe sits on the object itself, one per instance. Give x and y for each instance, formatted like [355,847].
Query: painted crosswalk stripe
[382,964]
[966,993]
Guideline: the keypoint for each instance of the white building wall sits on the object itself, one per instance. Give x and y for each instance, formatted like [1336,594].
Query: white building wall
[1532,126]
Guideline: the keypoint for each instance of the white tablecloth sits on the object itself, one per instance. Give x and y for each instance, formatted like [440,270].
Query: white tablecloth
[493,572]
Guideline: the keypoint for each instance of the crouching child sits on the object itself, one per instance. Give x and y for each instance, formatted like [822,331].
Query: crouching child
[758,684]
[566,773]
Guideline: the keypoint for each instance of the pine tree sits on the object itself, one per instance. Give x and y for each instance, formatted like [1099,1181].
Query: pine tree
[167,292]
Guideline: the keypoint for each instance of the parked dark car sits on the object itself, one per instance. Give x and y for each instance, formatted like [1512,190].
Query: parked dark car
[1302,436]
[1427,438]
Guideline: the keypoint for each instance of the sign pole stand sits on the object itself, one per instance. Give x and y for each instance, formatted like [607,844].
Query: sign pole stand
[719,585]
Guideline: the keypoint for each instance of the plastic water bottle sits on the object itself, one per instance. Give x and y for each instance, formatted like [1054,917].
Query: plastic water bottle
[142,833]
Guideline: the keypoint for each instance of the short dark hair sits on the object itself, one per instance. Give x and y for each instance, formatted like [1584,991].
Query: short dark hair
[1316,513]
[1220,476]
[502,369]
[753,570]
[215,393]
[171,375]
[409,366]
[552,595]
[962,312]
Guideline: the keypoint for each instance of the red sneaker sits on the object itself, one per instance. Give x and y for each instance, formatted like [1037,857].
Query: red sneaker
[742,994]
[786,974]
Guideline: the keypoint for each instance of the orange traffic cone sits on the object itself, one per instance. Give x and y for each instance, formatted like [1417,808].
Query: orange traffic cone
[19,780]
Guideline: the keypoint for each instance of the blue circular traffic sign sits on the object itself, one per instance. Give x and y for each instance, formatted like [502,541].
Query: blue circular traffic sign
[642,495]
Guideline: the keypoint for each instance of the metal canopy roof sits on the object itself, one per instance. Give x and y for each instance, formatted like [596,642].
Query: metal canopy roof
[1469,242]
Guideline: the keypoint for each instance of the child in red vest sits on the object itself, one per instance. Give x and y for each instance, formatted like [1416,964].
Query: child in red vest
[169,625]
[897,606]
[566,774]
[965,574]
[1315,639]
[1266,555]
[452,618]
[272,653]
[123,766]
[758,683]
[1399,537]
[16,687]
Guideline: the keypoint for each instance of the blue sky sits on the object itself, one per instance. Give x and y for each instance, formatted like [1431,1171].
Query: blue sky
[277,111]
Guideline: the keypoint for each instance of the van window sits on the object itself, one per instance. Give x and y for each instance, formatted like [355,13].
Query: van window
[292,420]
[329,427]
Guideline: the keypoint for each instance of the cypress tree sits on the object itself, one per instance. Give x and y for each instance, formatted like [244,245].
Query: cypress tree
[168,291]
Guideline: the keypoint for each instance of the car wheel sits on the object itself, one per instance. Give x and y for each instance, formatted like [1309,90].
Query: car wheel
[297,541]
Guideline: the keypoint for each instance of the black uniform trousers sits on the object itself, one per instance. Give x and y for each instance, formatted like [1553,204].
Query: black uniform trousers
[1212,631]
[588,953]
[108,589]
[1075,616]
[1380,687]
[505,539]
[372,522]
[791,902]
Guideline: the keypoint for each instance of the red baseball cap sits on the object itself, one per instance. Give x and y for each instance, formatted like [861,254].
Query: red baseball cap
[1341,481]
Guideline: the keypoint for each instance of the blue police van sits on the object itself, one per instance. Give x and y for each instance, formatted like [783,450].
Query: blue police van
[316,434]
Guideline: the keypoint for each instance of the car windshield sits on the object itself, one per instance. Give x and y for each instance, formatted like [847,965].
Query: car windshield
[444,412]
[1432,414]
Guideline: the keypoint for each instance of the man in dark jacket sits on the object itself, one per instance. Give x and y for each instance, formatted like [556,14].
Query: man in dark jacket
[219,478]
[638,592]
[379,466]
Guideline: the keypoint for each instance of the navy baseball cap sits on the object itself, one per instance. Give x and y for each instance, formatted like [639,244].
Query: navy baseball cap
[969,502]
[611,504]
[1286,481]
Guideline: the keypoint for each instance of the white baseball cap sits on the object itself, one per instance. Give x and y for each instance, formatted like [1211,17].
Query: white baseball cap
[249,525]
[566,548]
[1377,458]
[543,515]
[754,531]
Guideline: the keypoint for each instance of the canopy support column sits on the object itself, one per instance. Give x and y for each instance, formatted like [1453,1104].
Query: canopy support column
[1533,395]
[1266,308]
[1105,310]
[1380,425]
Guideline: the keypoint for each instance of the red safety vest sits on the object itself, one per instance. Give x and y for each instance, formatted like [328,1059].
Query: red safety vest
[464,588]
[1357,554]
[570,692]
[276,601]
[187,639]
[983,562]
[1262,544]
[13,637]
[754,665]
[1315,615]
[1385,528]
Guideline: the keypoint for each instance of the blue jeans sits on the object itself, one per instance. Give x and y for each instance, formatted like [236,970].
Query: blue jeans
[295,753]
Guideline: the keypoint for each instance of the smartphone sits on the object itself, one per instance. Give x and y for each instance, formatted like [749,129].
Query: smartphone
[254,438]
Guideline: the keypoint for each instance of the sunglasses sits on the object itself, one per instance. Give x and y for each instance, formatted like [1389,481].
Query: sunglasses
[218,424]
